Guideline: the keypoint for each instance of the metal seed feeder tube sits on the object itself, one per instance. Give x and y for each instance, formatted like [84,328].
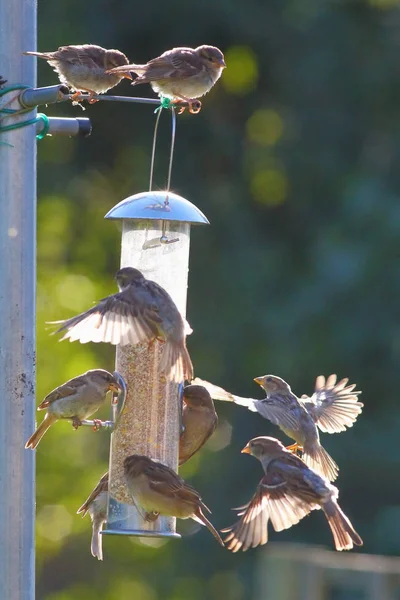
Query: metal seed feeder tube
[155,240]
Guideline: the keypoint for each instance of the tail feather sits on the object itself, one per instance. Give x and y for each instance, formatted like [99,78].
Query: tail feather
[176,362]
[40,431]
[344,534]
[317,458]
[200,517]
[96,546]
[126,69]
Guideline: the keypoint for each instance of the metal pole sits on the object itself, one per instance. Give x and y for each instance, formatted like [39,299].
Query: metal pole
[150,421]
[17,312]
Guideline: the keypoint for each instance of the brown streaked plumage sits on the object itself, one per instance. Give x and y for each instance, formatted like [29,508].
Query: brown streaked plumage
[142,310]
[332,408]
[156,488]
[287,493]
[96,506]
[199,421]
[83,67]
[77,399]
[180,73]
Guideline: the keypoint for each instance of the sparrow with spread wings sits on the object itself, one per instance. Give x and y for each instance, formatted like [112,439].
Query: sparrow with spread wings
[142,310]
[333,407]
[288,492]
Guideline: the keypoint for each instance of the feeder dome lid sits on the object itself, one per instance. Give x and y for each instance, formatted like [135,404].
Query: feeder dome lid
[160,205]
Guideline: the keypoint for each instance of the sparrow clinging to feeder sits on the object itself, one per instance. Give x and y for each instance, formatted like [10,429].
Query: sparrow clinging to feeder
[333,407]
[77,399]
[288,491]
[142,310]
[157,489]
[85,68]
[180,74]
[96,506]
[199,421]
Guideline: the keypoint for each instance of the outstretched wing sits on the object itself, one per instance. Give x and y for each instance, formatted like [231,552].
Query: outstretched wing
[123,318]
[334,405]
[270,502]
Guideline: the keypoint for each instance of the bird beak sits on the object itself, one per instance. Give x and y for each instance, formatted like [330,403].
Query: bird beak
[222,63]
[127,76]
[113,387]
[259,380]
[246,450]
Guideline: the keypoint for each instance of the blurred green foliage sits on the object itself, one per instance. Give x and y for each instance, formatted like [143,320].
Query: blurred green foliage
[294,159]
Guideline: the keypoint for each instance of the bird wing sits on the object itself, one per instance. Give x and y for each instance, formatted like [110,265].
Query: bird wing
[283,410]
[334,405]
[270,502]
[69,388]
[168,483]
[123,318]
[179,63]
[102,486]
[218,393]
[84,55]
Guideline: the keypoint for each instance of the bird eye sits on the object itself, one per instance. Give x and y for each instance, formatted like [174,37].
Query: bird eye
[269,379]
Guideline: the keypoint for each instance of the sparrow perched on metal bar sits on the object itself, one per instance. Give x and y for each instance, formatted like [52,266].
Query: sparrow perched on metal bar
[77,399]
[332,408]
[199,421]
[83,68]
[288,491]
[157,489]
[142,310]
[180,74]
[96,506]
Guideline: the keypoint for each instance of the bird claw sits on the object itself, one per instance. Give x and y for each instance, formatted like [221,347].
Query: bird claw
[294,448]
[194,107]
[151,516]
[76,423]
[153,341]
[97,424]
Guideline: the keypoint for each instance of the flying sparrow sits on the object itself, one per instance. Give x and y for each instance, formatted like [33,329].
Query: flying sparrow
[157,489]
[77,399]
[180,73]
[96,506]
[331,408]
[142,310]
[83,68]
[199,421]
[288,491]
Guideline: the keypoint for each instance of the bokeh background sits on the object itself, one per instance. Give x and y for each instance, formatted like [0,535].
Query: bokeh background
[294,160]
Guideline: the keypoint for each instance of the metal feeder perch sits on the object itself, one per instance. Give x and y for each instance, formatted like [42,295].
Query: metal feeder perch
[155,239]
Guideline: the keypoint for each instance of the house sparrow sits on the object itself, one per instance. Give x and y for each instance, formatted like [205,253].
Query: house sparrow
[157,489]
[96,506]
[180,73]
[83,68]
[331,408]
[142,310]
[77,399]
[288,491]
[199,421]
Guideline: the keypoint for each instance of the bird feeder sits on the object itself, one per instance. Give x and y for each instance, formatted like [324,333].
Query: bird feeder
[155,240]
